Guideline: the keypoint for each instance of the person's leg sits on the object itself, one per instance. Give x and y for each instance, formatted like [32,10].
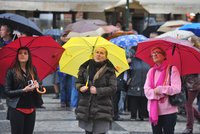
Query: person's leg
[29,123]
[198,101]
[68,89]
[74,94]
[122,101]
[196,114]
[142,106]
[62,90]
[56,90]
[16,121]
[116,98]
[169,122]
[189,109]
[157,129]
[133,106]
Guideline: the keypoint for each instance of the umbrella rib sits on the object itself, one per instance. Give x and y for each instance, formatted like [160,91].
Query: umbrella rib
[44,61]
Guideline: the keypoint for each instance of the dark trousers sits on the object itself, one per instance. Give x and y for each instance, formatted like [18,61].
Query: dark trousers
[166,124]
[138,104]
[21,123]
[116,98]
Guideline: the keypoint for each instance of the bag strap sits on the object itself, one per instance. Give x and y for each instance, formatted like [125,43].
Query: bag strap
[170,73]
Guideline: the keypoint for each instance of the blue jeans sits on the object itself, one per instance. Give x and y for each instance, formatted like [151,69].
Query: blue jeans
[74,94]
[121,104]
[166,124]
[65,88]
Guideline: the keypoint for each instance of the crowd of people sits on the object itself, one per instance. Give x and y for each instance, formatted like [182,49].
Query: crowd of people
[139,91]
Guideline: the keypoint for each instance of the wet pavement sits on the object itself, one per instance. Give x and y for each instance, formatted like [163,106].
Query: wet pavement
[56,120]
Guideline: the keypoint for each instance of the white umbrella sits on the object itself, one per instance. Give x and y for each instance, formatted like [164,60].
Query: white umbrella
[179,34]
[171,25]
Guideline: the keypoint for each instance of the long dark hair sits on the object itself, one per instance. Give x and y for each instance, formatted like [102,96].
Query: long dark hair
[29,65]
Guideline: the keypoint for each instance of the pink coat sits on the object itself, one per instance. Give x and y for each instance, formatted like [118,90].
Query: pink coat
[164,107]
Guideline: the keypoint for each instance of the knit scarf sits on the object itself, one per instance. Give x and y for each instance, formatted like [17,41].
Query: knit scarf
[94,67]
[154,103]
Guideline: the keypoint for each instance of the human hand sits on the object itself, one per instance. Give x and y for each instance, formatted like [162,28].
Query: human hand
[84,89]
[36,84]
[93,90]
[29,88]
[156,91]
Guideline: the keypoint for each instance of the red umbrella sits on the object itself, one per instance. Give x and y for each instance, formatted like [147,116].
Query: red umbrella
[180,53]
[45,52]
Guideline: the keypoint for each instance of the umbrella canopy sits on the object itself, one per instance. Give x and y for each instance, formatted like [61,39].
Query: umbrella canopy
[171,25]
[193,27]
[180,53]
[44,50]
[85,25]
[100,31]
[80,49]
[53,32]
[179,34]
[119,33]
[151,29]
[20,23]
[127,41]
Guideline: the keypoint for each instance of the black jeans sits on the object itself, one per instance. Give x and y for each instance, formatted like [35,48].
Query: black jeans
[21,123]
[166,124]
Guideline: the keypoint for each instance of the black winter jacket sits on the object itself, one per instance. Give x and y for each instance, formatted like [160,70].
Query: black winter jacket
[98,106]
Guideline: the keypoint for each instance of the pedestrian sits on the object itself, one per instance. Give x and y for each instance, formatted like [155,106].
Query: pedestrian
[137,102]
[116,97]
[6,34]
[95,109]
[56,84]
[158,86]
[192,84]
[22,98]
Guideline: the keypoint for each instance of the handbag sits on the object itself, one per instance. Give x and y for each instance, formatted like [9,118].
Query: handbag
[177,99]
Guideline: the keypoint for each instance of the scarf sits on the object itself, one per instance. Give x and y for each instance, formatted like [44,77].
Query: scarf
[154,103]
[94,67]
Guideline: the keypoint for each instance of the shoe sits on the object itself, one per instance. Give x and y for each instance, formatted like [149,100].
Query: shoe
[133,119]
[141,119]
[56,97]
[63,105]
[123,113]
[118,119]
[187,131]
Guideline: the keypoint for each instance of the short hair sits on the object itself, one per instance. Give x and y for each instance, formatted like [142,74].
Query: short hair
[9,28]
[161,50]
[104,49]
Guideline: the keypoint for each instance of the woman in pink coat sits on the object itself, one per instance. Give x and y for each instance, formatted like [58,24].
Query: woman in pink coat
[158,86]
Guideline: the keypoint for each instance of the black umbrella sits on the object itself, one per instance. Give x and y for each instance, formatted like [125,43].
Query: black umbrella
[20,23]
[150,29]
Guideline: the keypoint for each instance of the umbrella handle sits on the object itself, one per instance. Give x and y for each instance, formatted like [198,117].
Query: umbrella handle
[41,92]
[37,89]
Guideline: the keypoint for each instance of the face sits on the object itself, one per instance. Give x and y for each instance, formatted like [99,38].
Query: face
[100,55]
[157,56]
[4,31]
[23,56]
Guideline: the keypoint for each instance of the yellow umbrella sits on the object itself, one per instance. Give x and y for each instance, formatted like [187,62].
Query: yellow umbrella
[80,49]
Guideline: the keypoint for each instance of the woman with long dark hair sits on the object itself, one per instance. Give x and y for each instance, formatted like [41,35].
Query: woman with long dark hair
[22,97]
